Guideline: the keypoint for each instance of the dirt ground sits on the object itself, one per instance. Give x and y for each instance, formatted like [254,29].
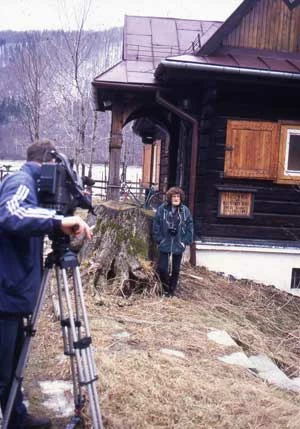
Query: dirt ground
[142,385]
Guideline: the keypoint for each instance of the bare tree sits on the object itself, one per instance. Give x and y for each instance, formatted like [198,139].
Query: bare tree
[30,69]
[50,75]
[72,69]
[82,55]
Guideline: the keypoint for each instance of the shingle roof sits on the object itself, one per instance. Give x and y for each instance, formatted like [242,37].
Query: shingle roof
[148,40]
[151,39]
[154,44]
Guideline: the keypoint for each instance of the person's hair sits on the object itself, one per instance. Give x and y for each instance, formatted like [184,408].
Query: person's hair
[40,151]
[175,190]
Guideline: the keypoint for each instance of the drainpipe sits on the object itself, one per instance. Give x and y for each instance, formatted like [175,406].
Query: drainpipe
[193,167]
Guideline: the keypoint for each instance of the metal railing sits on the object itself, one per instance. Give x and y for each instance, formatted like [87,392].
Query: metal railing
[5,169]
[99,189]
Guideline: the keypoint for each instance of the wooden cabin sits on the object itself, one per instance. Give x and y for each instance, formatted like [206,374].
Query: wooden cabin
[223,99]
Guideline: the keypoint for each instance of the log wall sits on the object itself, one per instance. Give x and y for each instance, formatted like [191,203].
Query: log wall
[256,29]
[276,213]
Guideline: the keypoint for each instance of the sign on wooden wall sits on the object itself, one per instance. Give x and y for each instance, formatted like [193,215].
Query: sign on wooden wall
[235,204]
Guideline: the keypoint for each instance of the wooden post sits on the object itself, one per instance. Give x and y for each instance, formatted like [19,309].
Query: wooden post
[115,145]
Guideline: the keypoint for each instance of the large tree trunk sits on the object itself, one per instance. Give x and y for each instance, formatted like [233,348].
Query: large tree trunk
[119,255]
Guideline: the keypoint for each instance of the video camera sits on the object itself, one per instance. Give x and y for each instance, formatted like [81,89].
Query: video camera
[60,188]
[172,222]
[172,229]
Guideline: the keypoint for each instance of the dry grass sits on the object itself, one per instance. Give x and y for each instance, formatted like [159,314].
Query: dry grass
[141,387]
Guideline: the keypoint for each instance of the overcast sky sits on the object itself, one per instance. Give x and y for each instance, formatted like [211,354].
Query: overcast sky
[19,15]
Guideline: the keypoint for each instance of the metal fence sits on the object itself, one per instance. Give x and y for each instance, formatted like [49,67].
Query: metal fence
[99,189]
[6,169]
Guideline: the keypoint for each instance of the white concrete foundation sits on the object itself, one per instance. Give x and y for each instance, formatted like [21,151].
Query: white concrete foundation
[263,264]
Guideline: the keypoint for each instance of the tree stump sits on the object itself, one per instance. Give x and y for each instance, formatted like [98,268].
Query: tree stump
[120,255]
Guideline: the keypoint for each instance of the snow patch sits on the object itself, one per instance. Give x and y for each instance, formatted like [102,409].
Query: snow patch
[171,352]
[238,358]
[221,337]
[58,393]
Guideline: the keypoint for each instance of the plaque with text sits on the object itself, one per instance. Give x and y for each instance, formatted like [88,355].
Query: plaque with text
[235,204]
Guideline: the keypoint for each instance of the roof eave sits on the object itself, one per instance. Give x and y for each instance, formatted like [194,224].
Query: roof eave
[102,99]
[171,64]
[125,86]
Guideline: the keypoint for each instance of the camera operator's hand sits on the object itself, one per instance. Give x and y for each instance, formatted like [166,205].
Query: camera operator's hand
[74,225]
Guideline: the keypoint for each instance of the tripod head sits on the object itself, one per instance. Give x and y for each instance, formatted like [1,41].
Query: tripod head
[61,255]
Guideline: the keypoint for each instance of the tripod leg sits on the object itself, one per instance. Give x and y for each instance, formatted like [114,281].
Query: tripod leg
[67,338]
[82,344]
[89,365]
[23,359]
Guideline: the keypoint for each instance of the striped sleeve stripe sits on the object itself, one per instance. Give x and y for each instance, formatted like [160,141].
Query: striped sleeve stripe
[42,211]
[15,209]
[20,195]
[30,212]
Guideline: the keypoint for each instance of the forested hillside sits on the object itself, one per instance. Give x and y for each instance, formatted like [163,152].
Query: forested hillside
[45,91]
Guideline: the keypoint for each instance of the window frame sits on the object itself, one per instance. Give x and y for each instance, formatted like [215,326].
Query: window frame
[285,176]
[295,279]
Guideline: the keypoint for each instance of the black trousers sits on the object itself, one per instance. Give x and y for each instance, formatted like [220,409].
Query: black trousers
[11,342]
[169,279]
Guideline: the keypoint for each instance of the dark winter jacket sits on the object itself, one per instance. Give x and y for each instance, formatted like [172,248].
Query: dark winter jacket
[173,230]
[22,227]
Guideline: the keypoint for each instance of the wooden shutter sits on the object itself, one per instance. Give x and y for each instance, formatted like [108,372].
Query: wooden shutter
[146,165]
[251,149]
[156,161]
[151,159]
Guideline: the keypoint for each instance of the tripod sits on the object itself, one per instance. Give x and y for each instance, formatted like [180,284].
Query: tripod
[75,332]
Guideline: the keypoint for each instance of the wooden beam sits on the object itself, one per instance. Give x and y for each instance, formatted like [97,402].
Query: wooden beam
[115,145]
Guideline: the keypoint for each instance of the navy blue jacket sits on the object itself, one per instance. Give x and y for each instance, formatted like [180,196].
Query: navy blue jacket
[22,227]
[172,231]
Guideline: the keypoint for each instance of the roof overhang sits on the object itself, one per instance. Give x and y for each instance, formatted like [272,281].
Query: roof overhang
[128,78]
[105,93]
[203,67]
[146,41]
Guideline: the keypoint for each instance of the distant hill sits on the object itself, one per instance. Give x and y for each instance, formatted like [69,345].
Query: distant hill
[45,91]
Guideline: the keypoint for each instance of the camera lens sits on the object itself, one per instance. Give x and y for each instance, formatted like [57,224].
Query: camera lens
[172,230]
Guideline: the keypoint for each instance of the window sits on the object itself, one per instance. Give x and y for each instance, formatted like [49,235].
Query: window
[289,154]
[295,282]
[293,152]
[263,150]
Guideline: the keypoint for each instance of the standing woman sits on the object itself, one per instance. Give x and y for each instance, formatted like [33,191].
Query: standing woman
[172,231]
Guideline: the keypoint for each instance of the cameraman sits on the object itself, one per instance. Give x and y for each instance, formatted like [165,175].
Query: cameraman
[172,230]
[23,225]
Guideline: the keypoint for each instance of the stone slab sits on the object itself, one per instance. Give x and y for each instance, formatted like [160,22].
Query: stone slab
[221,337]
[238,358]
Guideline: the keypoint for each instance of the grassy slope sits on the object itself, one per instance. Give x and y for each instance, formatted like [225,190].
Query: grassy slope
[141,387]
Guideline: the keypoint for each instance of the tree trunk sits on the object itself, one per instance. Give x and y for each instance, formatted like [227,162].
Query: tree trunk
[119,255]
